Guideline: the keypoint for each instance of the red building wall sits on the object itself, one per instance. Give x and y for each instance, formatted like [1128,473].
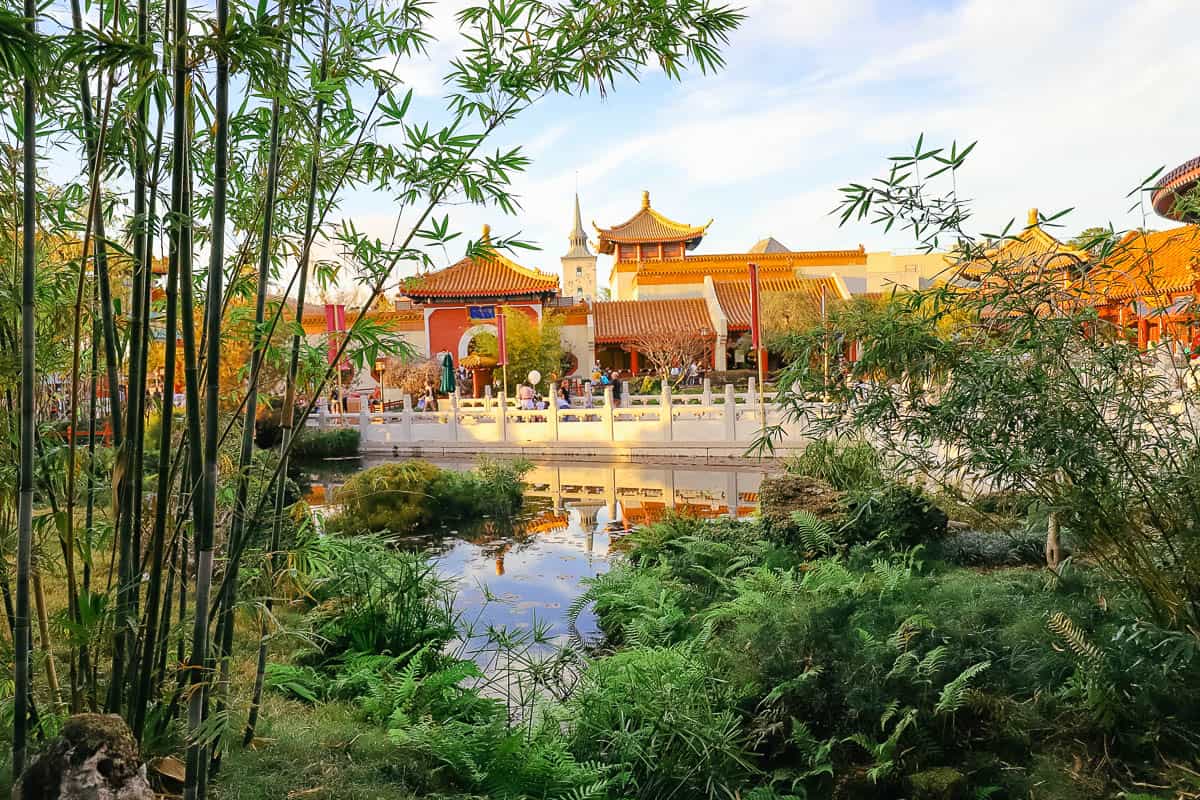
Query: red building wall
[447,326]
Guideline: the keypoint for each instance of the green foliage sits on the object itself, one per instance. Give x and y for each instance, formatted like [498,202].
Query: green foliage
[377,600]
[849,665]
[494,760]
[413,496]
[1018,386]
[532,346]
[334,443]
[846,466]
[663,718]
[896,515]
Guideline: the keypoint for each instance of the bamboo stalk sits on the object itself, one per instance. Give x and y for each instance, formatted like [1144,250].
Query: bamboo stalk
[39,599]
[21,633]
[194,782]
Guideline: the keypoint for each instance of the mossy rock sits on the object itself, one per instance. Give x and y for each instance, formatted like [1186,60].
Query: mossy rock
[782,494]
[95,757]
[939,783]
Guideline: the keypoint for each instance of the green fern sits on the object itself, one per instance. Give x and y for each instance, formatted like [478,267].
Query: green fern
[933,662]
[954,693]
[886,754]
[814,533]
[909,630]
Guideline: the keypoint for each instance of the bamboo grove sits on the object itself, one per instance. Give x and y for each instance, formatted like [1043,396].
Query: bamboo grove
[174,174]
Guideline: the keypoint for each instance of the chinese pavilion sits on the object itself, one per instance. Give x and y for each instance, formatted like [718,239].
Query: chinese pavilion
[459,302]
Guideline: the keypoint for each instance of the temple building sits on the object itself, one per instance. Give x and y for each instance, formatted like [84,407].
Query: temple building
[1150,284]
[659,281]
[460,301]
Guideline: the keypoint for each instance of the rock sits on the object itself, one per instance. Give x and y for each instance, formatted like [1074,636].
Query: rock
[939,783]
[167,774]
[780,495]
[94,758]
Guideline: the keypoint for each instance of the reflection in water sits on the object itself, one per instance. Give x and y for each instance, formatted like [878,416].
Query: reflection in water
[525,574]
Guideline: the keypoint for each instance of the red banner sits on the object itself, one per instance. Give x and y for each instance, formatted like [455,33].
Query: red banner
[755,311]
[335,322]
[501,338]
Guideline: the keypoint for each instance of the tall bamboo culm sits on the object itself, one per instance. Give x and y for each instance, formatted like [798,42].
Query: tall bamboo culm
[21,630]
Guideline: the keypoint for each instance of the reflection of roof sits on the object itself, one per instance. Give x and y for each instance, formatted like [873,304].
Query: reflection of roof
[1149,264]
[544,523]
[649,226]
[734,297]
[490,276]
[621,320]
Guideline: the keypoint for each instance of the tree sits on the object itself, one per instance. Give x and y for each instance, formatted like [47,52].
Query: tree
[1093,240]
[665,348]
[532,346]
[274,113]
[1035,394]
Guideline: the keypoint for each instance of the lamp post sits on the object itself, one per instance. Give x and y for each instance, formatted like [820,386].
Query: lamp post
[381,371]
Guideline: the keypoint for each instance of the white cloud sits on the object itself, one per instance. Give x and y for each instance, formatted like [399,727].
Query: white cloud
[1072,105]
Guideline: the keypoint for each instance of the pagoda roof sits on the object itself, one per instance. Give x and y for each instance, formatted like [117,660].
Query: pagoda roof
[1147,264]
[1175,184]
[734,296]
[649,226]
[491,276]
[1032,249]
[622,320]
[769,245]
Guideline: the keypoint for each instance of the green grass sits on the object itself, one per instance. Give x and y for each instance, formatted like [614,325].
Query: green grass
[324,752]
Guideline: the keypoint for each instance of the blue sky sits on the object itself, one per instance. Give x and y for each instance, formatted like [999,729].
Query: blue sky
[1073,103]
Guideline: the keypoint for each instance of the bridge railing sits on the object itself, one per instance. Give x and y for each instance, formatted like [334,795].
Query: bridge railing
[731,418]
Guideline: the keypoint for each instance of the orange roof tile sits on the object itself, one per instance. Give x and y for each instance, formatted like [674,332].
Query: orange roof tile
[494,276]
[734,297]
[622,320]
[1031,250]
[647,225]
[1173,185]
[1149,264]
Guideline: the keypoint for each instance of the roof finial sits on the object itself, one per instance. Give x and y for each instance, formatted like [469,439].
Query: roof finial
[1033,217]
[487,234]
[645,199]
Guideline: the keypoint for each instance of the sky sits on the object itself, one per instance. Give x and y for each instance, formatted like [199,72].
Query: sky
[1073,103]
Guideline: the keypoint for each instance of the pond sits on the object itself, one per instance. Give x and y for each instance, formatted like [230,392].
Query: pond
[527,573]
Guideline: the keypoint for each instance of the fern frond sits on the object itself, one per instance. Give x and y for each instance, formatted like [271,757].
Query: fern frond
[1068,631]
[814,533]
[954,693]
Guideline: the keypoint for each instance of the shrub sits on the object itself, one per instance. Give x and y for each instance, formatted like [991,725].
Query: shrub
[497,761]
[894,515]
[664,721]
[988,549]
[371,598]
[410,496]
[846,466]
[780,496]
[333,443]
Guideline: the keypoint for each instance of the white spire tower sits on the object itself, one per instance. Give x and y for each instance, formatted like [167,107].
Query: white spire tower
[579,264]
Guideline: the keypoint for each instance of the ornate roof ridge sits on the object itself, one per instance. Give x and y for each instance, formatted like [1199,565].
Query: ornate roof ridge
[675,231]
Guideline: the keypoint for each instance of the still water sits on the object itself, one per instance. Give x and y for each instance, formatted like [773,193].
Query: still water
[527,573]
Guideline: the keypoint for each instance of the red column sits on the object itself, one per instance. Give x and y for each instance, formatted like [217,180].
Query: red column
[633,361]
